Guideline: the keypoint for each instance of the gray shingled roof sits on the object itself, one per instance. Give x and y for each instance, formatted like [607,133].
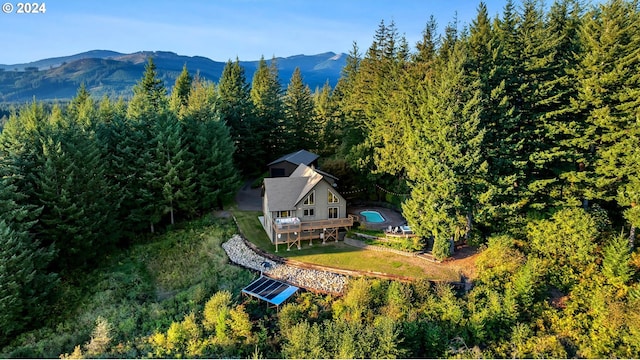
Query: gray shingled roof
[297,158]
[284,193]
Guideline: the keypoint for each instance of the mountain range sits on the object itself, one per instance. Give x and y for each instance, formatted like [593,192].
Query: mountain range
[112,73]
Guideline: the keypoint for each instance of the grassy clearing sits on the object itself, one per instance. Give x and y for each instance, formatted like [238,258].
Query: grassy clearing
[139,291]
[251,228]
[344,256]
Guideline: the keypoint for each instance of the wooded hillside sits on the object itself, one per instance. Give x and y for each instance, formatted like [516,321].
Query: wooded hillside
[519,134]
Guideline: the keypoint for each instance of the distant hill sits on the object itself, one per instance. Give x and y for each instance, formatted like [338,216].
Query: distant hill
[111,73]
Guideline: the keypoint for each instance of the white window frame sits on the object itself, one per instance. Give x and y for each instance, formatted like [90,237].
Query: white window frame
[331,196]
[337,212]
[311,199]
[309,212]
[280,214]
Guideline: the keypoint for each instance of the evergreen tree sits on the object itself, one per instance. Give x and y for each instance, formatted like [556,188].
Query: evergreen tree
[180,93]
[147,169]
[481,49]
[607,102]
[386,123]
[267,129]
[119,143]
[212,148]
[482,64]
[555,120]
[351,125]
[146,114]
[327,120]
[108,110]
[446,168]
[534,57]
[149,95]
[21,144]
[174,173]
[370,99]
[300,128]
[629,196]
[426,47]
[25,282]
[82,108]
[616,262]
[123,144]
[77,199]
[236,110]
[507,134]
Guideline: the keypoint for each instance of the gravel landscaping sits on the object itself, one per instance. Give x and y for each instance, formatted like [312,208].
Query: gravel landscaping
[322,281]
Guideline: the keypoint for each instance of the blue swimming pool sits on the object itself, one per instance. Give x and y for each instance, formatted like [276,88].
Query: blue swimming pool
[372,216]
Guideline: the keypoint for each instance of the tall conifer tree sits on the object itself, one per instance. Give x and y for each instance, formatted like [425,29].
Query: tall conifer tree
[212,148]
[267,127]
[180,93]
[555,119]
[79,202]
[149,95]
[351,115]
[147,108]
[25,282]
[608,99]
[446,168]
[174,174]
[300,127]
[82,108]
[236,110]
[328,120]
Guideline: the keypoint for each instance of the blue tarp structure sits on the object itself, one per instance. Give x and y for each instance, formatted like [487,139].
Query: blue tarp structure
[270,290]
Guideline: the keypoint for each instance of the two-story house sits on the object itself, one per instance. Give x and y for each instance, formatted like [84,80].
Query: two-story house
[303,206]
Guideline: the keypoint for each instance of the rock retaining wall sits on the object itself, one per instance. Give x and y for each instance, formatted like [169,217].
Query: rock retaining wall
[321,281]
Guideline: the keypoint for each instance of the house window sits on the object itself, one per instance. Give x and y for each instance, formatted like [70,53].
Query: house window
[333,213]
[311,199]
[333,198]
[309,212]
[283,214]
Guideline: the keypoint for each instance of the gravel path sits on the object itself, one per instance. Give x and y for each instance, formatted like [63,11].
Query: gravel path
[323,281]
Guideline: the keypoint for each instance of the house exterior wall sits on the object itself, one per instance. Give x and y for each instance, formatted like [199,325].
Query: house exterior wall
[321,206]
[286,166]
[268,218]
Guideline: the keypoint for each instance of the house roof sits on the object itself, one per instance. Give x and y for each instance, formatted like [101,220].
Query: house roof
[285,192]
[297,158]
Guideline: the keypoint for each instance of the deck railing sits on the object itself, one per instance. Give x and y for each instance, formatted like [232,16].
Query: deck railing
[312,225]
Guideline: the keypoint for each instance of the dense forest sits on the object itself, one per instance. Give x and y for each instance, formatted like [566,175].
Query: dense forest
[514,133]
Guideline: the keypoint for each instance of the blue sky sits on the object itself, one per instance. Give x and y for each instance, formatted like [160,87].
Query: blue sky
[219,29]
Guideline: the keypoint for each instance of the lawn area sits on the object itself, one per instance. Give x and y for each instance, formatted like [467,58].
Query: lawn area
[344,256]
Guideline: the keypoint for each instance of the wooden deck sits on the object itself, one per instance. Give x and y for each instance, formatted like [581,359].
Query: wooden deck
[324,230]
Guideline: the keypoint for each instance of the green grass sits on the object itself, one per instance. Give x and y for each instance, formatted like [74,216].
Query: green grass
[251,228]
[341,255]
[139,290]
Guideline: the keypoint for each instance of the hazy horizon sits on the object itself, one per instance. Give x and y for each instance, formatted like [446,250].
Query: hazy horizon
[221,31]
